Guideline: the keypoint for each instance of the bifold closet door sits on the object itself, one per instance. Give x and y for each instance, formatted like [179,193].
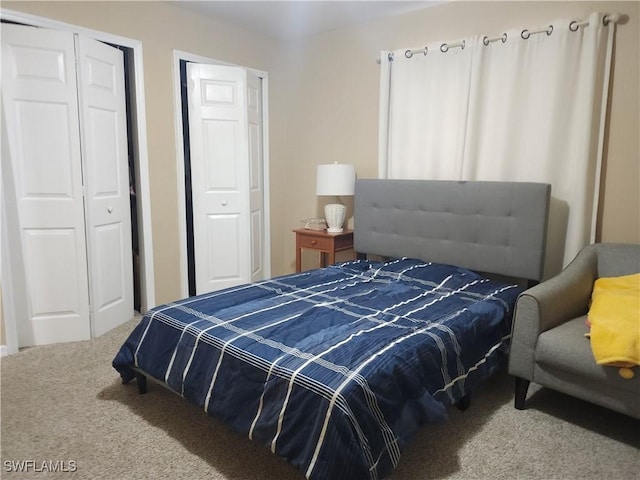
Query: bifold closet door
[45,191]
[39,96]
[227,181]
[256,176]
[103,130]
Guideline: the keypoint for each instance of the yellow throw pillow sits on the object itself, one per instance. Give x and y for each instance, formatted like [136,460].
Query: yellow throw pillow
[614,317]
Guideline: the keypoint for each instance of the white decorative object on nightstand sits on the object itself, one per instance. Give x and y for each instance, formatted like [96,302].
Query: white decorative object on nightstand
[335,180]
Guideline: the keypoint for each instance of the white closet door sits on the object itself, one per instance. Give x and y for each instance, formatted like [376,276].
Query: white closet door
[106,174]
[218,133]
[39,96]
[256,176]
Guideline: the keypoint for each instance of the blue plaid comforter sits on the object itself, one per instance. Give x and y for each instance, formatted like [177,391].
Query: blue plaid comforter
[333,369]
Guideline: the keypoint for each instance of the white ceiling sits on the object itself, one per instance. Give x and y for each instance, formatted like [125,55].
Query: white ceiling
[294,19]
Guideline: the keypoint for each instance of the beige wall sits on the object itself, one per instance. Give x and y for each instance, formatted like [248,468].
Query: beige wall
[334,99]
[1,319]
[324,101]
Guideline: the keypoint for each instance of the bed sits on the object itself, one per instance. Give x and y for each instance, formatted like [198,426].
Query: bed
[336,368]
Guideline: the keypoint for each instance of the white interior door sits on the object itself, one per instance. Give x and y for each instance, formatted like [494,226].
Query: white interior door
[226,175]
[106,174]
[256,176]
[68,195]
[39,98]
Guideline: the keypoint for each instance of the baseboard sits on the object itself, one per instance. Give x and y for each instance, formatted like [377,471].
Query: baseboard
[3,350]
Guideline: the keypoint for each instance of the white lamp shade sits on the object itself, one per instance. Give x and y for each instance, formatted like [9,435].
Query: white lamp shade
[335,179]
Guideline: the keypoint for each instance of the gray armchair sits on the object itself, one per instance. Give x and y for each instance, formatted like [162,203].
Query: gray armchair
[548,345]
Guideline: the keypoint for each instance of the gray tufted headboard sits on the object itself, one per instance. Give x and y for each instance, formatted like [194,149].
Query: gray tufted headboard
[493,227]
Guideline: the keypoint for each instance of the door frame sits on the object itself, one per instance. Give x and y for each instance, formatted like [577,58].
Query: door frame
[141,160]
[180,172]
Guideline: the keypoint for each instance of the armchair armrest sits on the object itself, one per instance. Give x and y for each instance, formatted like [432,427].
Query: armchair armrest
[549,304]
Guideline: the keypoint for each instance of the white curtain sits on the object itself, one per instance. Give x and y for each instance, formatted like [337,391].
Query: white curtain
[520,106]
[428,137]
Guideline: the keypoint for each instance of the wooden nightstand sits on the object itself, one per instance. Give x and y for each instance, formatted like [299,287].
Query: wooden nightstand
[326,243]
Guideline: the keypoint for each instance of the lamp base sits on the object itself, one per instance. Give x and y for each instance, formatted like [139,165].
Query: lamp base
[334,214]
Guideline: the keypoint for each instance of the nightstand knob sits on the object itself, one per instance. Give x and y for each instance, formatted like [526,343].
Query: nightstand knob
[313,242]
[224,204]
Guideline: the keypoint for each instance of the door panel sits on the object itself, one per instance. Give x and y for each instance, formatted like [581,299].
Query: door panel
[53,178]
[39,96]
[219,175]
[50,254]
[256,176]
[223,252]
[257,246]
[221,168]
[106,173]
[108,248]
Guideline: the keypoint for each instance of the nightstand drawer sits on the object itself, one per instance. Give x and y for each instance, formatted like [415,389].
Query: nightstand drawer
[343,242]
[318,243]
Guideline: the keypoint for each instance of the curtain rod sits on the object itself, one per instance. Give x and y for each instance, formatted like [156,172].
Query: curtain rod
[525,34]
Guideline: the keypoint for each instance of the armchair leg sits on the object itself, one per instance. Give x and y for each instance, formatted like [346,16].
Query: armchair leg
[522,386]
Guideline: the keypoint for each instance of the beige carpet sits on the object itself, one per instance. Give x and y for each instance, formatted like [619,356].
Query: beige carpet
[65,404]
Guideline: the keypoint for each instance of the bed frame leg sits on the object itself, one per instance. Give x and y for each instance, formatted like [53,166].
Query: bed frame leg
[464,402]
[522,386]
[142,383]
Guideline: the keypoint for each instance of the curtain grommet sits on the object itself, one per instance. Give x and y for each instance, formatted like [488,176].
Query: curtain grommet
[411,53]
[444,48]
[486,40]
[525,34]
[573,26]
[550,30]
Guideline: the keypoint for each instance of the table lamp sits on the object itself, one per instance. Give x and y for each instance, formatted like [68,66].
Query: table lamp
[337,180]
